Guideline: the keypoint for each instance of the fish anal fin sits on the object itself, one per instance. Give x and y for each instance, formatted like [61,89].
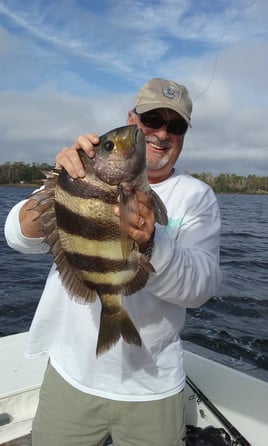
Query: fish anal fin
[145,268]
[114,324]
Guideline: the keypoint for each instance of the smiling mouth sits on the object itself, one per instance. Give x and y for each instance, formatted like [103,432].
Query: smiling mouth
[155,146]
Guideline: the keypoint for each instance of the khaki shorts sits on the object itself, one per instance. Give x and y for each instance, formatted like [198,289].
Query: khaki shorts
[68,417]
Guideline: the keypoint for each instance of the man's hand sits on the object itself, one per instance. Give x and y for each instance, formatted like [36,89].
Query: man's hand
[68,157]
[140,224]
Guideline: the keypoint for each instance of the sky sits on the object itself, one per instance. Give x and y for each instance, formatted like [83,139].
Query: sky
[70,67]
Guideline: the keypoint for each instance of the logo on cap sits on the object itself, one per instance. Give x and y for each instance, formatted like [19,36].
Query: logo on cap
[171,92]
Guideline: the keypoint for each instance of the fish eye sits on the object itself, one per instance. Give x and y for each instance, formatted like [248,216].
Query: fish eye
[108,146]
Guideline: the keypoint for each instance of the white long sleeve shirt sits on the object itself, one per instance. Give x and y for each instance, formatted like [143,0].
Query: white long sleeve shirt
[187,273]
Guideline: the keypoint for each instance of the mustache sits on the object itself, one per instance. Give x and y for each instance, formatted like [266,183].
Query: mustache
[164,144]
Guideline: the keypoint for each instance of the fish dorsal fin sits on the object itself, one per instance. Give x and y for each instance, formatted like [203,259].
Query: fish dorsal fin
[70,280]
[47,217]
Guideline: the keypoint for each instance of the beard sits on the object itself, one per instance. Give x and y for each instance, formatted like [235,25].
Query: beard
[153,161]
[154,164]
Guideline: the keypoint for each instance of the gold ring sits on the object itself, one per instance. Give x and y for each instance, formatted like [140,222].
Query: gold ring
[141,223]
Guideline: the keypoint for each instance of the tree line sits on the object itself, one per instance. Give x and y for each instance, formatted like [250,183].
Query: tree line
[232,183]
[22,173]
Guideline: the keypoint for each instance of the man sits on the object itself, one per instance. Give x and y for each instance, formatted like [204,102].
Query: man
[133,393]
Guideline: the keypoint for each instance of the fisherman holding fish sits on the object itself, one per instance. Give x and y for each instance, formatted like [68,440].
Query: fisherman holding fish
[130,256]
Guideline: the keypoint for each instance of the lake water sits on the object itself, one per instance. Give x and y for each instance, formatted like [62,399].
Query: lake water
[234,322]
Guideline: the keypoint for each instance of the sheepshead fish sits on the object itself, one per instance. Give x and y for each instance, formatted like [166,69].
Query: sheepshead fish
[93,257]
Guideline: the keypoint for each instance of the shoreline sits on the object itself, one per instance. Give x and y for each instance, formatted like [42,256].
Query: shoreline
[35,186]
[24,185]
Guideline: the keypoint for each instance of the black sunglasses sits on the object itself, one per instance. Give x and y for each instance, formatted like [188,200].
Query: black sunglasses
[153,120]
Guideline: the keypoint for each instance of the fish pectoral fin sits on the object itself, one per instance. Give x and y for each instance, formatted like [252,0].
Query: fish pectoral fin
[114,324]
[128,200]
[128,205]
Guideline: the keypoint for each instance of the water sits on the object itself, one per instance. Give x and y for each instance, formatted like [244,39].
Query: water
[234,322]
[22,276]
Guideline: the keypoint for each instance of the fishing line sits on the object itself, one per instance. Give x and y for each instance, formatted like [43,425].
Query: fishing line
[218,49]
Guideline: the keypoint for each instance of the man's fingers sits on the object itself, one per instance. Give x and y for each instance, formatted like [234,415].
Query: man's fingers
[68,158]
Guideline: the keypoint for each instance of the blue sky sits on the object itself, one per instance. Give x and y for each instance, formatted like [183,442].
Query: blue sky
[69,67]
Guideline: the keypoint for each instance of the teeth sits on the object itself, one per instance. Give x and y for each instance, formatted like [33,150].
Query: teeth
[157,147]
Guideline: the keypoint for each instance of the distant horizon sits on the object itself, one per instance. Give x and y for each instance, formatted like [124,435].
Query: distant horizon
[206,172]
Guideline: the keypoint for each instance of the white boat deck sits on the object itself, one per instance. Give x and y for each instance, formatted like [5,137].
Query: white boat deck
[240,395]
[16,372]
[19,387]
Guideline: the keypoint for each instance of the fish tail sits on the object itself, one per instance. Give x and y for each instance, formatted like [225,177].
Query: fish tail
[114,325]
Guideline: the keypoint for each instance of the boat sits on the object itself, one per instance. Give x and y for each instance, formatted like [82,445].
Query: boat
[225,399]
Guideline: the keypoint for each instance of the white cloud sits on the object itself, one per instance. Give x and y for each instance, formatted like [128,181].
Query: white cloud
[36,125]
[68,70]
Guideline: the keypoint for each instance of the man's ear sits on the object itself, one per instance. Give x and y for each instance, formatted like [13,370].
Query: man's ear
[131,118]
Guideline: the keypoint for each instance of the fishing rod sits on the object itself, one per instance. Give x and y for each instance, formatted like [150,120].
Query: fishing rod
[239,439]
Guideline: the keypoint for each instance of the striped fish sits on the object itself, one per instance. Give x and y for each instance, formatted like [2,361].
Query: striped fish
[93,256]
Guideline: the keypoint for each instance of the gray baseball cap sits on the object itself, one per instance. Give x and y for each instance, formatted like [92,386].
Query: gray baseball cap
[161,93]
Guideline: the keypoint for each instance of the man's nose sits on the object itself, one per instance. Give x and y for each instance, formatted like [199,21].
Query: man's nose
[162,132]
